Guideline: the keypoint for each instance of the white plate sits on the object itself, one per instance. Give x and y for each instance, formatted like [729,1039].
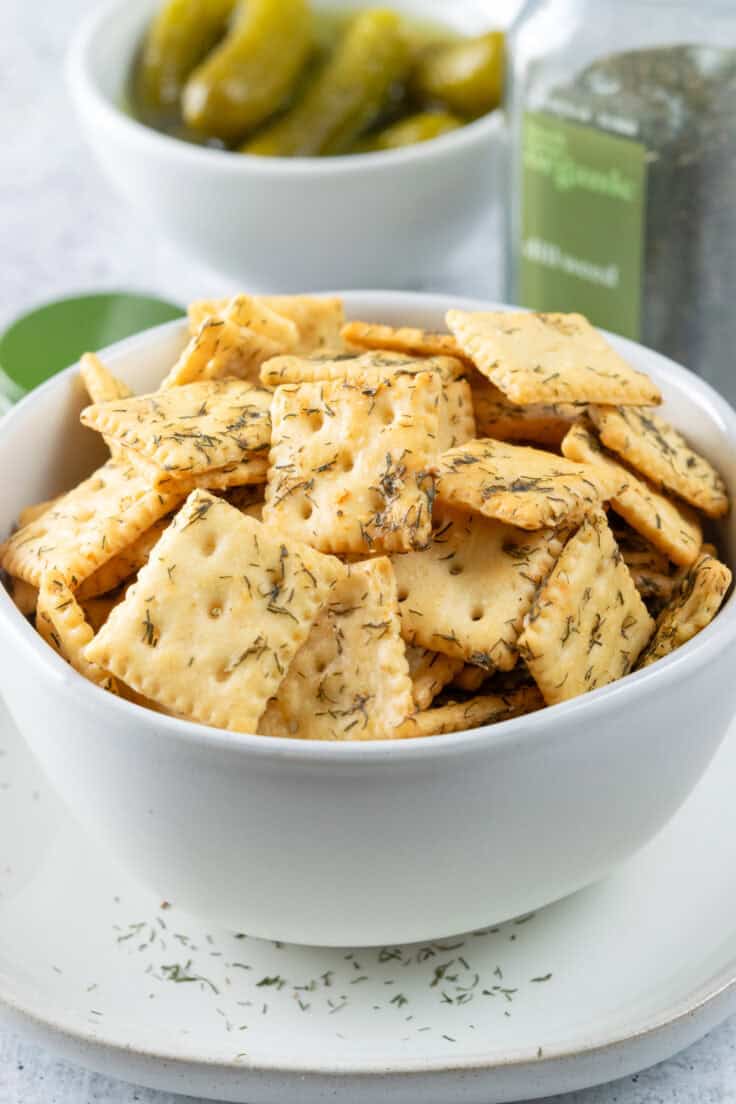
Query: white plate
[618,977]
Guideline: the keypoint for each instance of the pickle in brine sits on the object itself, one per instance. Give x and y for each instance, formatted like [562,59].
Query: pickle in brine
[180,36]
[347,96]
[421,127]
[253,71]
[465,77]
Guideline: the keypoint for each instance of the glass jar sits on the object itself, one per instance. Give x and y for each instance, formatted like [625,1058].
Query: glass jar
[623,200]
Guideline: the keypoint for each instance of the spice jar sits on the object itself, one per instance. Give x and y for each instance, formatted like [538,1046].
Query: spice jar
[623,200]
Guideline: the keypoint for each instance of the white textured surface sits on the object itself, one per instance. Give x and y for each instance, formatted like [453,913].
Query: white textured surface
[60,231]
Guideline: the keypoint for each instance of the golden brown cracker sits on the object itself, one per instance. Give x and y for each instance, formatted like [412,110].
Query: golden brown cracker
[318,319]
[694,604]
[219,350]
[87,526]
[474,713]
[126,563]
[348,463]
[350,680]
[33,513]
[539,423]
[216,616]
[101,385]
[660,452]
[548,358]
[456,418]
[404,339]
[588,623]
[520,486]
[467,594]
[670,526]
[430,672]
[61,622]
[194,428]
[356,368]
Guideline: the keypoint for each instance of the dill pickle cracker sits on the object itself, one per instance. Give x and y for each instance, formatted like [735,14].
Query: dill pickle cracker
[254,70]
[181,34]
[347,96]
[466,77]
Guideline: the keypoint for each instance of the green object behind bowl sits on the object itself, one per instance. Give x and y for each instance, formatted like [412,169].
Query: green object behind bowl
[51,337]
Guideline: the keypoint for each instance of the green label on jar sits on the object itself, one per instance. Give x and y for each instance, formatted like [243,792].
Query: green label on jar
[582,222]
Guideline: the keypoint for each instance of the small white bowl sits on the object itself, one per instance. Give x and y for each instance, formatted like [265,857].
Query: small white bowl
[289,223]
[377,843]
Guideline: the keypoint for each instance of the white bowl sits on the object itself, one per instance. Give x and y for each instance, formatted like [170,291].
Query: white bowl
[363,843]
[281,223]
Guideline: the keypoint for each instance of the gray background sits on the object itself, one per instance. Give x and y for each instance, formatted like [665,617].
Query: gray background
[61,231]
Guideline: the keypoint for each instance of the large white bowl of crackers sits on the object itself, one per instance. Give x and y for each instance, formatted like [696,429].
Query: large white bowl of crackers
[373,619]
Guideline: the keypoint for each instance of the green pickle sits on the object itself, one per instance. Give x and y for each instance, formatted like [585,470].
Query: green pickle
[465,77]
[272,77]
[180,36]
[348,95]
[253,71]
[421,127]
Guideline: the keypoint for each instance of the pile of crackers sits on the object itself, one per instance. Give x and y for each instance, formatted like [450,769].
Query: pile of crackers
[347,531]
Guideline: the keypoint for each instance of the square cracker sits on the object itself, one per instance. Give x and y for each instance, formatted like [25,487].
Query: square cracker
[470,678]
[467,594]
[661,453]
[588,623]
[88,526]
[239,473]
[456,417]
[430,672]
[670,526]
[34,512]
[216,616]
[194,428]
[355,367]
[650,569]
[61,622]
[539,424]
[101,385]
[636,550]
[234,342]
[349,463]
[694,604]
[548,358]
[127,562]
[483,710]
[350,680]
[405,339]
[318,319]
[521,486]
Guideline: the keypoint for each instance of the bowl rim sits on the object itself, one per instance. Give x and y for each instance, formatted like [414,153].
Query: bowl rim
[530,728]
[85,91]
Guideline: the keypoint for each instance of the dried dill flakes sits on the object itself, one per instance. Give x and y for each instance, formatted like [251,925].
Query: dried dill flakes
[451,971]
